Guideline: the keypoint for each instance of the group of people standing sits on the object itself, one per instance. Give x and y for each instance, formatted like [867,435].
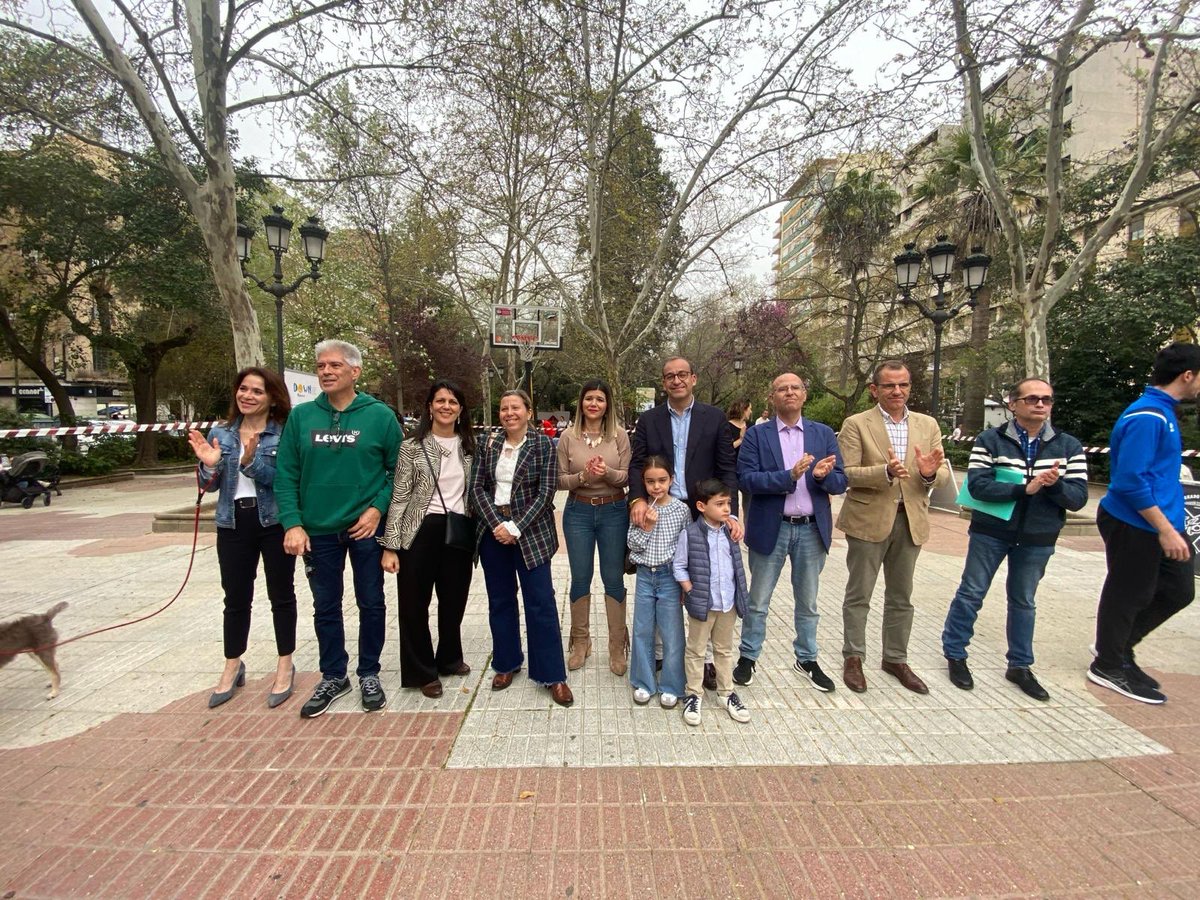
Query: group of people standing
[334,479]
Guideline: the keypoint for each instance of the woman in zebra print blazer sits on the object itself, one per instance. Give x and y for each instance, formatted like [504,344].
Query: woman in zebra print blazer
[433,468]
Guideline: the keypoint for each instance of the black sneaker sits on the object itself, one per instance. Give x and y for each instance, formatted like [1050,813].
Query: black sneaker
[372,693]
[743,672]
[710,676]
[328,690]
[1123,683]
[1134,671]
[1023,678]
[960,675]
[813,673]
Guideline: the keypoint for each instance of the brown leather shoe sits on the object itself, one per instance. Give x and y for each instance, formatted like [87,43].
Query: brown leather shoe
[433,689]
[906,677]
[461,669]
[502,680]
[561,693]
[852,675]
[710,677]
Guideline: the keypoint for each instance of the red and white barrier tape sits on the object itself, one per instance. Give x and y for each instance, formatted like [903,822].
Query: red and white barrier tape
[115,428]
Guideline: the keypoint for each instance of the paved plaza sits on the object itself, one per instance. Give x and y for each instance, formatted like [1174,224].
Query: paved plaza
[126,785]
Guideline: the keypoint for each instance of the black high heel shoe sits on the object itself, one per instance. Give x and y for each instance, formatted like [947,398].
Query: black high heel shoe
[273,699]
[219,697]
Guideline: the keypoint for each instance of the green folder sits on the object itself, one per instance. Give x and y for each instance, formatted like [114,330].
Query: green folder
[1002,510]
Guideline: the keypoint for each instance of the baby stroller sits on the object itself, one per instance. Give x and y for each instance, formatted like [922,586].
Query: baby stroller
[20,483]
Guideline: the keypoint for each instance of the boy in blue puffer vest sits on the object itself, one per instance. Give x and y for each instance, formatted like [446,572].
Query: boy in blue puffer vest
[708,566]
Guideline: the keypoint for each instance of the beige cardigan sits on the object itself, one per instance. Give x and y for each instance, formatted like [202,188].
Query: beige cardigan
[573,455]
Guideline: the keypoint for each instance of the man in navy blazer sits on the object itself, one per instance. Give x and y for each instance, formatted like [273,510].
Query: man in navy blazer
[695,436]
[789,465]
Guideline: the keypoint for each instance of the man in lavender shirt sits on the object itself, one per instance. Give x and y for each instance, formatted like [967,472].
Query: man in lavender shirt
[790,466]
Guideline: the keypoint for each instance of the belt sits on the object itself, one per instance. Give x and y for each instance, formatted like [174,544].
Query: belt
[597,501]
[245,502]
[505,511]
[801,520]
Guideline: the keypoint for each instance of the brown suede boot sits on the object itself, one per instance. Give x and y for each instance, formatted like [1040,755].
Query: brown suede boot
[579,644]
[618,636]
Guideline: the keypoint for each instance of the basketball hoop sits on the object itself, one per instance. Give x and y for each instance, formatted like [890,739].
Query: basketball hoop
[526,346]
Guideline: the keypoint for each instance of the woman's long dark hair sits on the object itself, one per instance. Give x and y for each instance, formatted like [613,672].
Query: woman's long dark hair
[462,427]
[608,423]
[281,403]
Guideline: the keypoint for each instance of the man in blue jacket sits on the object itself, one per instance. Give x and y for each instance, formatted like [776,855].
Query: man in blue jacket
[1046,474]
[789,465]
[1141,519]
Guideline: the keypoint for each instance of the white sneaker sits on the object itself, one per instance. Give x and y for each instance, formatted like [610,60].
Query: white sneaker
[641,696]
[737,710]
[691,709]
[667,701]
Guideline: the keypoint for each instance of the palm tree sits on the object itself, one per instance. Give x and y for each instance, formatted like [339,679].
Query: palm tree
[952,189]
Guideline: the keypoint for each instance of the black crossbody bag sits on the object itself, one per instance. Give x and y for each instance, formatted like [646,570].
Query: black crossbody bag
[460,529]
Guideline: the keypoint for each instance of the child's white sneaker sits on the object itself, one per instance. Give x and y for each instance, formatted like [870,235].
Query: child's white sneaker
[691,709]
[667,701]
[641,696]
[737,710]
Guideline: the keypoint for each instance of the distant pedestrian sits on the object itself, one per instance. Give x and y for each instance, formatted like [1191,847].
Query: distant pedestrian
[657,597]
[1141,519]
[1046,472]
[238,460]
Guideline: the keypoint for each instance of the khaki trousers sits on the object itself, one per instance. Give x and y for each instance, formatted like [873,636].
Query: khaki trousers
[897,555]
[718,628]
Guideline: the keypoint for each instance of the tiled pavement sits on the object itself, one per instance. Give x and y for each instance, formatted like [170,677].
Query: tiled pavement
[128,786]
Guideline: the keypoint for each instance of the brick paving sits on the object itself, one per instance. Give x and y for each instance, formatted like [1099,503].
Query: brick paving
[128,786]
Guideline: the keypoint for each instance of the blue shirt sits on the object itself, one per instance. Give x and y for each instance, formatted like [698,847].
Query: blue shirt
[721,589]
[681,424]
[1029,444]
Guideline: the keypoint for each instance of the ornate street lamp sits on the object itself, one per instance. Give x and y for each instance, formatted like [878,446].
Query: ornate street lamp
[941,266]
[279,233]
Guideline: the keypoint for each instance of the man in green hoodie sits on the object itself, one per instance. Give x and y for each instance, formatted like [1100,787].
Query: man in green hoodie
[333,483]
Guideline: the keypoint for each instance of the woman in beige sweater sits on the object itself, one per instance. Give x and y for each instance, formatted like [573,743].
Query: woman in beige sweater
[593,465]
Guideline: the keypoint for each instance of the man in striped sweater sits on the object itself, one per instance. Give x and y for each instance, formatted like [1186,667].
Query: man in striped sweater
[1046,476]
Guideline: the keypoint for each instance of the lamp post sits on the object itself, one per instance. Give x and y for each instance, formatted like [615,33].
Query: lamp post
[279,232]
[941,264]
[737,369]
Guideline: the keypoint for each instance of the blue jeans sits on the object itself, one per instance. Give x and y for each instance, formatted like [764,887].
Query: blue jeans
[656,605]
[502,567]
[328,562]
[1026,565]
[802,545]
[587,527]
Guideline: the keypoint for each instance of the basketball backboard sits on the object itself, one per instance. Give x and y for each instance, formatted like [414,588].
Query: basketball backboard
[542,323]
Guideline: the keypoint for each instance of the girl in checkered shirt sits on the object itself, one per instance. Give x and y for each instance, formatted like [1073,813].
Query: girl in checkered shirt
[657,597]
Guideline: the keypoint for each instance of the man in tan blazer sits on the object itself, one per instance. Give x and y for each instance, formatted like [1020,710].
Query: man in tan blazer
[893,458]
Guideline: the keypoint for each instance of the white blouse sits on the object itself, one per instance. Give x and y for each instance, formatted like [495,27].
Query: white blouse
[506,468]
[452,480]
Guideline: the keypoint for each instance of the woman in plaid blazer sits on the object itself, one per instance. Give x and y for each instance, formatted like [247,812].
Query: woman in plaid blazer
[512,493]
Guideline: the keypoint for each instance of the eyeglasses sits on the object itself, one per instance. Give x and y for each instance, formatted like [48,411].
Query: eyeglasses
[1035,399]
[676,376]
[902,385]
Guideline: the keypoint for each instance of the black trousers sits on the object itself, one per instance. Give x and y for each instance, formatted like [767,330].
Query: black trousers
[1142,590]
[238,552]
[426,565]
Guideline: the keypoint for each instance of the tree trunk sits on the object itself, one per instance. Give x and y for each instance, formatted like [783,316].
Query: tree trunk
[32,357]
[145,398]
[216,210]
[977,372]
[1037,348]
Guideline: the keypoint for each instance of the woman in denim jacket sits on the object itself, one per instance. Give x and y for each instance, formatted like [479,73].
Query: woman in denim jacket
[238,460]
